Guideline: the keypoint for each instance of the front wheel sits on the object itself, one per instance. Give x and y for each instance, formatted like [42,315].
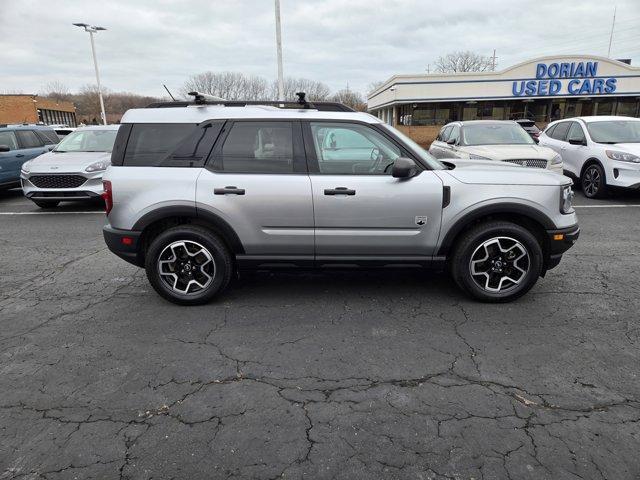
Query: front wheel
[497,261]
[593,182]
[188,265]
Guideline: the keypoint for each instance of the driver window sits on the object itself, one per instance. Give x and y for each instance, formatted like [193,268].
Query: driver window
[575,133]
[349,148]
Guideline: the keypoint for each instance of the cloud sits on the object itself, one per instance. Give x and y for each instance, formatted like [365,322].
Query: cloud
[355,42]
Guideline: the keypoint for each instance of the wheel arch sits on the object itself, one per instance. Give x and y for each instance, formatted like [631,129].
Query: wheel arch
[156,221]
[523,215]
[590,161]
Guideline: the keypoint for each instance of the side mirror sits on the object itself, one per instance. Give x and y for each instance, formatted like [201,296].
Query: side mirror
[575,141]
[5,148]
[451,141]
[404,168]
[536,139]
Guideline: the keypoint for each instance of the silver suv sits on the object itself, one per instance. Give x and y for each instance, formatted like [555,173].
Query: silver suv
[198,191]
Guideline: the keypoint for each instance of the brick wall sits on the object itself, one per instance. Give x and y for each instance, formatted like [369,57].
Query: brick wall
[421,134]
[18,109]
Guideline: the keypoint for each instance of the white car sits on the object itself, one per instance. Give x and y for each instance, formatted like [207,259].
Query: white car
[498,140]
[72,170]
[598,152]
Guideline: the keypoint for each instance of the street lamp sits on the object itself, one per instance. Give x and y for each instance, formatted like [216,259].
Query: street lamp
[93,29]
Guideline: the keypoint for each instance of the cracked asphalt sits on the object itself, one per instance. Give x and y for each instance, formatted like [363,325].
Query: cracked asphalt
[345,375]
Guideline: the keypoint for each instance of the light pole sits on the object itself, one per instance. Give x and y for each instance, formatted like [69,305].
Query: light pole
[279,52]
[93,29]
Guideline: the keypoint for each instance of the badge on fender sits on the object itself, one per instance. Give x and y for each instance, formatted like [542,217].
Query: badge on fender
[421,220]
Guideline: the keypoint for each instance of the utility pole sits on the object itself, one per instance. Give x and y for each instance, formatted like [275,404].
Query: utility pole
[279,51]
[613,24]
[493,61]
[91,29]
[428,68]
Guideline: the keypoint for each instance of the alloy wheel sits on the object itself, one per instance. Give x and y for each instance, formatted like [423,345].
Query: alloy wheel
[186,267]
[499,264]
[591,181]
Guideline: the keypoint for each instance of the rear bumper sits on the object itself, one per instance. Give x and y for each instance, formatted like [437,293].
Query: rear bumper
[559,242]
[124,243]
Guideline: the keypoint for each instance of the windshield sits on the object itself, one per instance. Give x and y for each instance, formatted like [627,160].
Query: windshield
[88,141]
[495,134]
[425,156]
[615,131]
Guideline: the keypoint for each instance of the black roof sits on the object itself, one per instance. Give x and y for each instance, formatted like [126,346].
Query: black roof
[320,106]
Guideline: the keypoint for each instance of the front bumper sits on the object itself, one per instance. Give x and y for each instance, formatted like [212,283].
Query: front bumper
[559,242]
[91,189]
[124,243]
[623,174]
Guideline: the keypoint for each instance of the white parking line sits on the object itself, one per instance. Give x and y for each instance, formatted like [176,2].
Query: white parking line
[606,206]
[48,213]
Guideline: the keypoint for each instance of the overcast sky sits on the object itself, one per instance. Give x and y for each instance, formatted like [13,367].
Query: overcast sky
[339,42]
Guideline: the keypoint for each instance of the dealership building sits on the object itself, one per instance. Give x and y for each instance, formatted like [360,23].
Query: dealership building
[542,89]
[31,108]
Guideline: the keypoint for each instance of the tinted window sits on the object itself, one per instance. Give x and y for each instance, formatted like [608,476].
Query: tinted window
[9,139]
[49,137]
[549,131]
[575,132]
[151,143]
[560,131]
[350,148]
[257,147]
[28,139]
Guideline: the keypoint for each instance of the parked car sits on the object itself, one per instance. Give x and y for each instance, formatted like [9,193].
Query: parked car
[73,170]
[498,140]
[530,127]
[62,130]
[598,152]
[195,192]
[18,144]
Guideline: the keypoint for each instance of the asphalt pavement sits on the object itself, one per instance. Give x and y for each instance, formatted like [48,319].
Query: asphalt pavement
[346,375]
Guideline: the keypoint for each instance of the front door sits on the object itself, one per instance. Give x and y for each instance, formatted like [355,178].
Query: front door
[360,210]
[256,180]
[575,154]
[11,161]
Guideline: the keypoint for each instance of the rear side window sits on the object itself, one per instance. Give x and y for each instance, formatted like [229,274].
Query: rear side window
[28,139]
[560,132]
[170,144]
[48,136]
[257,147]
[8,138]
[549,131]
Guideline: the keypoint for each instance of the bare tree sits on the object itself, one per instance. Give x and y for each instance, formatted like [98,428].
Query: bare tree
[56,90]
[350,98]
[373,85]
[315,91]
[463,62]
[228,85]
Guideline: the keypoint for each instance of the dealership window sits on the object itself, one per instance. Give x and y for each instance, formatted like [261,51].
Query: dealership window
[627,108]
[605,107]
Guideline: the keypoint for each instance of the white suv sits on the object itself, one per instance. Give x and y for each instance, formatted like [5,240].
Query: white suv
[598,152]
[197,191]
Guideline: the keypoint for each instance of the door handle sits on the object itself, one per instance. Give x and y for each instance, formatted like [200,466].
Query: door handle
[228,190]
[339,191]
[19,155]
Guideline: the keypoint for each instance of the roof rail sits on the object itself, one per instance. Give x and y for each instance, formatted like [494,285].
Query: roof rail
[201,99]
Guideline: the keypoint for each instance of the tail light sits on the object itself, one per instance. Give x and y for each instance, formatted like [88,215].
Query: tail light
[107,196]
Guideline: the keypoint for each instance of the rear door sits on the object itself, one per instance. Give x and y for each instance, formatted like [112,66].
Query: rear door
[10,161]
[256,180]
[361,211]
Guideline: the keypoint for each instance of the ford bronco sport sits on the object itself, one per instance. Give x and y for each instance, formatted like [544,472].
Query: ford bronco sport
[196,191]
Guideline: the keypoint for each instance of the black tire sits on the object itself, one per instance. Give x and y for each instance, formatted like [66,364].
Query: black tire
[593,181]
[222,264]
[47,203]
[472,242]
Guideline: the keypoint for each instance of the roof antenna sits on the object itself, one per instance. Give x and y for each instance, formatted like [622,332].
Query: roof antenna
[165,87]
[302,100]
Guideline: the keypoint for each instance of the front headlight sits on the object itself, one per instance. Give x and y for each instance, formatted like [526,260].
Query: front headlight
[97,166]
[622,156]
[556,160]
[566,199]
[473,156]
[26,167]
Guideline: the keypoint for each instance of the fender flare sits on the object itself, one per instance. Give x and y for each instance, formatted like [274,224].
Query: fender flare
[501,208]
[203,216]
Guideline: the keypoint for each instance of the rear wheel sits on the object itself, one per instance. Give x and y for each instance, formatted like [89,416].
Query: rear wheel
[46,203]
[497,261]
[593,182]
[188,265]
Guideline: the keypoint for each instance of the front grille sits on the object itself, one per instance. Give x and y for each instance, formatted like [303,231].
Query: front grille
[57,181]
[534,163]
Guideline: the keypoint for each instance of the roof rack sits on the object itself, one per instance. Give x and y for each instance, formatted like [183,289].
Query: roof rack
[203,99]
